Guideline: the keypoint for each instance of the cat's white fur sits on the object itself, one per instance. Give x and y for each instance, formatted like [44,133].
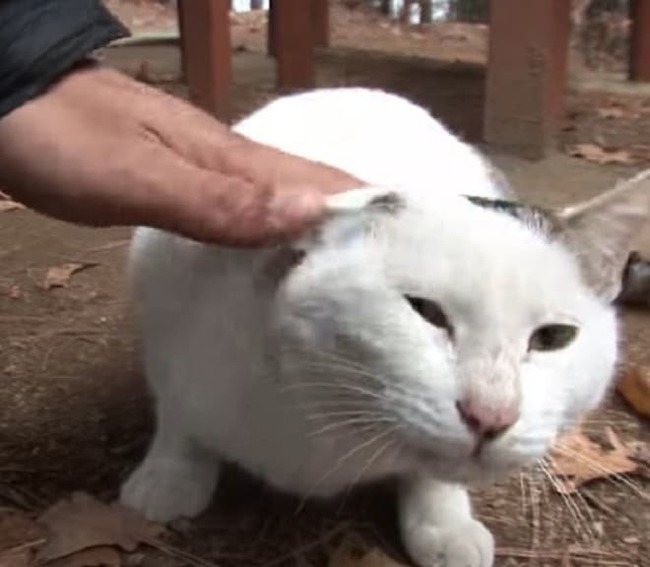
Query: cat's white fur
[319,375]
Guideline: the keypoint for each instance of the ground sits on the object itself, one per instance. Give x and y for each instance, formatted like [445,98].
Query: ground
[75,414]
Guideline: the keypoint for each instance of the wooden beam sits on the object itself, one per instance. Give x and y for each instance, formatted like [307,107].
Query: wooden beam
[294,43]
[527,74]
[639,68]
[205,43]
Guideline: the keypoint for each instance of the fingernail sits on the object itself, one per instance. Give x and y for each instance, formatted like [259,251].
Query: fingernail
[294,210]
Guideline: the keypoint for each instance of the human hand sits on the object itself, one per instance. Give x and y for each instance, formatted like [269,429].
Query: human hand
[102,149]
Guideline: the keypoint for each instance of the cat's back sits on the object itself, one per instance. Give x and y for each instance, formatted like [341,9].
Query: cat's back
[380,138]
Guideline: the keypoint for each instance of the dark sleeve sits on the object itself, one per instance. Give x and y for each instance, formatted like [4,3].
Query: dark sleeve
[42,39]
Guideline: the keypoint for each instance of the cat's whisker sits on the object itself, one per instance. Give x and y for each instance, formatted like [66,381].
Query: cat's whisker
[611,475]
[580,524]
[350,422]
[337,386]
[369,462]
[339,402]
[362,446]
[384,432]
[343,413]
[383,383]
[567,502]
[582,501]
[353,369]
[329,355]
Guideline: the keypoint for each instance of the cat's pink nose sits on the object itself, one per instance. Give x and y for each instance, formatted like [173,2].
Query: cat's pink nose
[486,420]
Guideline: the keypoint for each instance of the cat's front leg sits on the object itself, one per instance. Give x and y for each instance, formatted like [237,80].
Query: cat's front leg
[175,480]
[438,529]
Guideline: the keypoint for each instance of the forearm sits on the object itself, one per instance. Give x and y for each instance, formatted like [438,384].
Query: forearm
[40,40]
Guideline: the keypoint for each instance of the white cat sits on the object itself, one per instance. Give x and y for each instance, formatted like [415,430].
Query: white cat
[417,334]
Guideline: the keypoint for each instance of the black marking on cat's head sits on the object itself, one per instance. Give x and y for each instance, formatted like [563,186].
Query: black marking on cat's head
[539,219]
[390,202]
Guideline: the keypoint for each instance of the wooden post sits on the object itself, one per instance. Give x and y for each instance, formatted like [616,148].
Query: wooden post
[321,22]
[527,74]
[639,69]
[426,11]
[205,43]
[294,43]
[271,32]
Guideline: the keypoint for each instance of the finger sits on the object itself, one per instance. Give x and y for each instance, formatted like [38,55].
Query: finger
[209,206]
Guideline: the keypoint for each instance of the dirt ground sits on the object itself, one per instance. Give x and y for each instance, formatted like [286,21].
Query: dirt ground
[75,413]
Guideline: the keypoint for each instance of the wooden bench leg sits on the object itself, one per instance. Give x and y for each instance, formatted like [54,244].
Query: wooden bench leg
[293,42]
[206,53]
[321,22]
[320,25]
[527,74]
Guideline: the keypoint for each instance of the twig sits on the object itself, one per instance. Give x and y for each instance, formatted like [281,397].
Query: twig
[171,551]
[23,547]
[598,503]
[109,246]
[302,549]
[520,553]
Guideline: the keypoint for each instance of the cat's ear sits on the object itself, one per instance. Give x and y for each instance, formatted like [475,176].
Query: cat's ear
[350,213]
[601,231]
[366,199]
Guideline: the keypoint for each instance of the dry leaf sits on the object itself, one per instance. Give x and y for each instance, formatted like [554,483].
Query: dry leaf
[344,557]
[83,523]
[610,113]
[17,530]
[21,558]
[597,154]
[7,206]
[93,557]
[59,276]
[576,460]
[20,535]
[14,292]
[634,385]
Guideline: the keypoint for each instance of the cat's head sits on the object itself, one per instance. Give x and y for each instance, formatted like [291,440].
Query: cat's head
[466,332]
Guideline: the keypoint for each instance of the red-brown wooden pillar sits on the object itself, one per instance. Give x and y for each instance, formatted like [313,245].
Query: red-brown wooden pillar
[293,43]
[639,69]
[527,74]
[321,22]
[271,31]
[205,43]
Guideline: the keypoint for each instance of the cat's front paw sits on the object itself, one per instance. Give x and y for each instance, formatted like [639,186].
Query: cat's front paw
[165,490]
[468,544]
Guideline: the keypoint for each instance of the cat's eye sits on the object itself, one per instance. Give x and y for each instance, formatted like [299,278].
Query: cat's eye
[552,337]
[431,312]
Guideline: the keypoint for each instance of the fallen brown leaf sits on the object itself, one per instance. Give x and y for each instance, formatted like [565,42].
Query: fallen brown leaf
[576,460]
[610,113]
[59,276]
[18,531]
[8,206]
[83,523]
[93,557]
[344,557]
[20,535]
[634,385]
[597,154]
[21,558]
